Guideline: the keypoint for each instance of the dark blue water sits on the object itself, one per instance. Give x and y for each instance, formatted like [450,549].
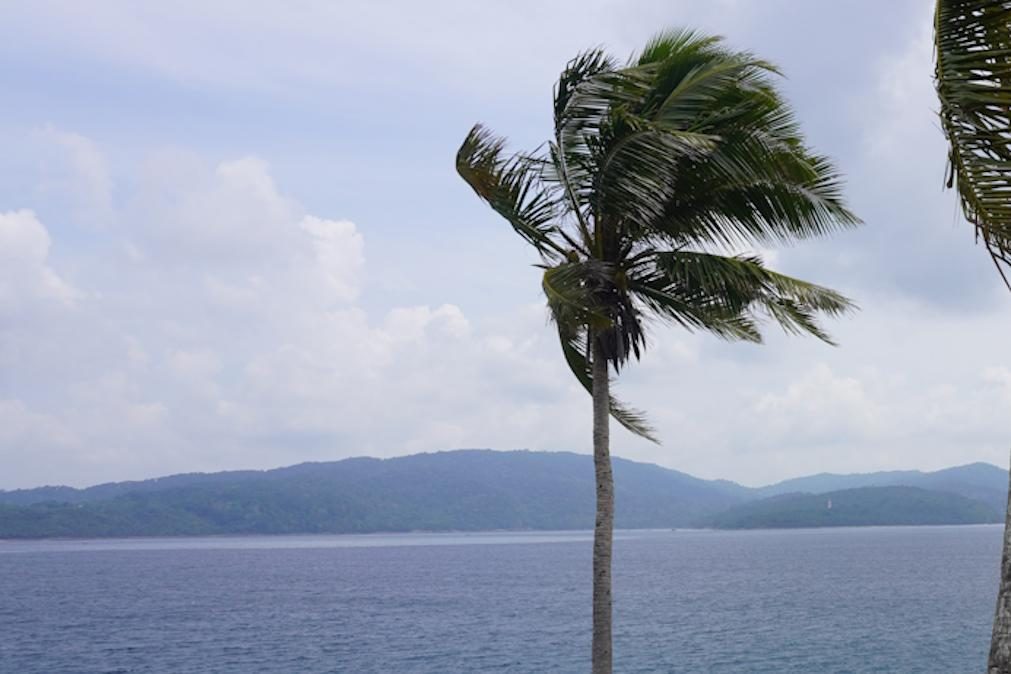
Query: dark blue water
[843,600]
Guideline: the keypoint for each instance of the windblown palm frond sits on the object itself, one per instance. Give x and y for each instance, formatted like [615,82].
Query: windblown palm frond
[973,78]
[574,349]
[513,188]
[716,292]
[655,170]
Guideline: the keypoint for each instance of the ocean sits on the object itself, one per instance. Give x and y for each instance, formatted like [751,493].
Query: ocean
[888,599]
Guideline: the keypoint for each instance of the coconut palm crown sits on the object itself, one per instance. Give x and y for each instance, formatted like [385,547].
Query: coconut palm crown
[973,78]
[657,171]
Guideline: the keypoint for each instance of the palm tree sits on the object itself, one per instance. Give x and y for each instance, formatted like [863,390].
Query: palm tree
[973,77]
[658,170]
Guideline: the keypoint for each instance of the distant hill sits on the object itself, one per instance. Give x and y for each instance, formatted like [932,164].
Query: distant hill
[470,490]
[862,506]
[461,490]
[108,490]
[978,481]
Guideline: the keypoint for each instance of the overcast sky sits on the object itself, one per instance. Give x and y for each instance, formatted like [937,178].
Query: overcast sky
[232,236]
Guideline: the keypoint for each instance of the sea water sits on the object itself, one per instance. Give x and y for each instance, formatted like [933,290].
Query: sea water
[888,599]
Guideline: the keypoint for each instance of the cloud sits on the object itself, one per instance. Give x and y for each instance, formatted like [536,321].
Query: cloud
[229,213]
[228,333]
[339,252]
[819,408]
[171,300]
[26,276]
[76,168]
[20,427]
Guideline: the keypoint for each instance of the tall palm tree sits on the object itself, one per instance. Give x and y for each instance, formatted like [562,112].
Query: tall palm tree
[973,77]
[657,171]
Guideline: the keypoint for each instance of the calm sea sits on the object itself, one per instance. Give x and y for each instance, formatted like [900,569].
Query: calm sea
[915,599]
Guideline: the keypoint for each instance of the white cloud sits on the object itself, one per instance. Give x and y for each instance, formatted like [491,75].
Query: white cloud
[76,172]
[23,428]
[222,314]
[819,408]
[202,353]
[339,254]
[232,213]
[25,273]
[413,323]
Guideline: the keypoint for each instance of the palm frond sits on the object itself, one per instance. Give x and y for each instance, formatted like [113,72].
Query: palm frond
[570,290]
[749,193]
[574,349]
[634,176]
[665,302]
[676,43]
[591,293]
[576,74]
[513,188]
[973,79]
[589,91]
[710,153]
[737,286]
[703,98]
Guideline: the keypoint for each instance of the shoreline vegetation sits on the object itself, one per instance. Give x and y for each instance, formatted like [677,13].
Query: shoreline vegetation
[480,491]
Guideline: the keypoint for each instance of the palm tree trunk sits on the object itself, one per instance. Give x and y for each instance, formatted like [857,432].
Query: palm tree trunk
[1000,642]
[604,529]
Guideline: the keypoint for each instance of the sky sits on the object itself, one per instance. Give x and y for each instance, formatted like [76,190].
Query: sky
[232,236]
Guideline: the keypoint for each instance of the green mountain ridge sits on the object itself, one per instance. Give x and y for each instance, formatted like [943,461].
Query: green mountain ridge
[466,490]
[978,481]
[861,506]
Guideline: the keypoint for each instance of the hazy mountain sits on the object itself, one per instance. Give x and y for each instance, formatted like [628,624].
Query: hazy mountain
[978,481]
[109,490]
[459,490]
[858,507]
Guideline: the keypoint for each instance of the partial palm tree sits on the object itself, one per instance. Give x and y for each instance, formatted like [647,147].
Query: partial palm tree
[659,173]
[973,77]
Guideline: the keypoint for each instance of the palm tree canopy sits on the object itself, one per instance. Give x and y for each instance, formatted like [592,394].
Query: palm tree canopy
[657,170]
[973,78]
